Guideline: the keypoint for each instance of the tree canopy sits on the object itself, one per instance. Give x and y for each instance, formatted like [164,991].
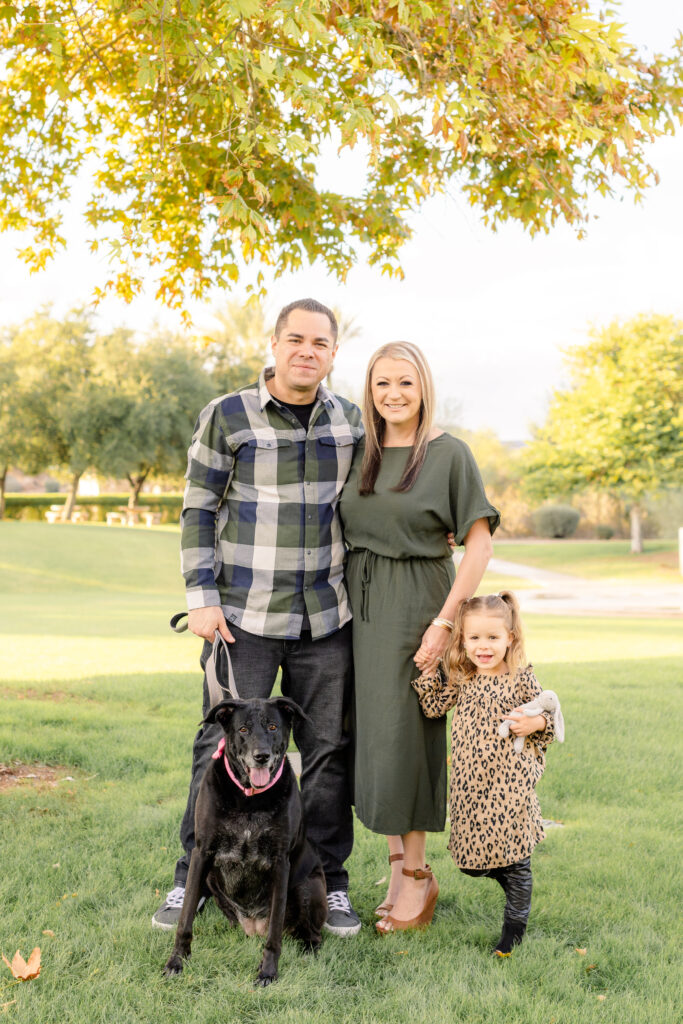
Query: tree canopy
[202,124]
[618,426]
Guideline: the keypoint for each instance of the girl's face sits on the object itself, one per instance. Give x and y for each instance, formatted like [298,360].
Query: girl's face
[486,639]
[396,391]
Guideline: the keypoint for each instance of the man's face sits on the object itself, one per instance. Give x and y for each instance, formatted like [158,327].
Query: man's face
[304,353]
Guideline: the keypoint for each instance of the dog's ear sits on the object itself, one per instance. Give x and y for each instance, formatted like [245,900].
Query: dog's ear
[223,711]
[291,710]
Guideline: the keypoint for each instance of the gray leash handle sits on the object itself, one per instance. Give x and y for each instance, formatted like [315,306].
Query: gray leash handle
[216,688]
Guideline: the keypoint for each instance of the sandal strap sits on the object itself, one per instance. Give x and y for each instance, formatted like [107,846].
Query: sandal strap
[425,872]
[395,856]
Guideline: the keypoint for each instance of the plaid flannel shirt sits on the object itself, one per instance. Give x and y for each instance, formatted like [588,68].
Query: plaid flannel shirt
[260,528]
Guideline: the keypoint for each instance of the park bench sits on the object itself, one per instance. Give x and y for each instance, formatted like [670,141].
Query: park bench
[54,514]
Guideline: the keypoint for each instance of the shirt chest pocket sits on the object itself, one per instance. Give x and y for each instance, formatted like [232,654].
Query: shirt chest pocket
[335,454]
[259,457]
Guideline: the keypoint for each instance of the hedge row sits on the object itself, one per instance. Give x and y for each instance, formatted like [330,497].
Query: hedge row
[34,506]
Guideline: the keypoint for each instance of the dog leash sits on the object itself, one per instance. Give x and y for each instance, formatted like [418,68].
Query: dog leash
[216,688]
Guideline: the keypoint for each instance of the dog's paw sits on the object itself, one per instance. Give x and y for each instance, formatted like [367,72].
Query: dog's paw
[263,980]
[174,966]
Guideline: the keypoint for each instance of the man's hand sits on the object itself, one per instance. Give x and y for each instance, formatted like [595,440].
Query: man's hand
[205,621]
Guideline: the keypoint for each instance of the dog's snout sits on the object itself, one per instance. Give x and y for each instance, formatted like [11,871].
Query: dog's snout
[261,756]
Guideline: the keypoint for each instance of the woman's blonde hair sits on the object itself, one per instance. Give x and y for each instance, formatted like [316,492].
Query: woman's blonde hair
[375,424]
[500,606]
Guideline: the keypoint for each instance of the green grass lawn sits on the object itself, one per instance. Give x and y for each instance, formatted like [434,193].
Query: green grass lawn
[597,559]
[93,681]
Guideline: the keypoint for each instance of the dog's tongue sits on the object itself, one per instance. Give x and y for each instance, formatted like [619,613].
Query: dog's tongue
[259,777]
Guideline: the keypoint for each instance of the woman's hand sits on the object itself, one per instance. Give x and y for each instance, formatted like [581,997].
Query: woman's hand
[434,643]
[524,725]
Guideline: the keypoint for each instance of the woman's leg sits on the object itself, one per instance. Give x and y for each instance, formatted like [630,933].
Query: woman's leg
[395,844]
[411,896]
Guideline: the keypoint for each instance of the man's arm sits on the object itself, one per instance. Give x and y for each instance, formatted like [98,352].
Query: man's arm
[210,464]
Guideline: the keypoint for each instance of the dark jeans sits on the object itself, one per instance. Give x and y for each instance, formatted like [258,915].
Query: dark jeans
[318,675]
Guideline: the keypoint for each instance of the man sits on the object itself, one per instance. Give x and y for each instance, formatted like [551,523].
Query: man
[262,556]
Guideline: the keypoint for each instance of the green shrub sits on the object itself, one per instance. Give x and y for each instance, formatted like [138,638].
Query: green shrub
[555,520]
[604,532]
[32,507]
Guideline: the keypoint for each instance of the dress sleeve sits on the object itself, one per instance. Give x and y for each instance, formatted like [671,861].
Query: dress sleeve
[468,501]
[436,695]
[527,688]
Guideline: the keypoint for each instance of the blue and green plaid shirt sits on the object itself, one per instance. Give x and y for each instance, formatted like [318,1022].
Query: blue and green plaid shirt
[260,529]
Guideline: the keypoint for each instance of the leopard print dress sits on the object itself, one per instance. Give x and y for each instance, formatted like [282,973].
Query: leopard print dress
[494,811]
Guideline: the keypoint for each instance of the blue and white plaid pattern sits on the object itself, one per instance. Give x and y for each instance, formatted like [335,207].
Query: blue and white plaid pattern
[261,535]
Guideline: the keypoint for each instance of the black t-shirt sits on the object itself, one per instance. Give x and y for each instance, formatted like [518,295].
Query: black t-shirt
[302,412]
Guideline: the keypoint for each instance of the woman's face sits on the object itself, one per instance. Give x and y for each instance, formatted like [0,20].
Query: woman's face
[396,391]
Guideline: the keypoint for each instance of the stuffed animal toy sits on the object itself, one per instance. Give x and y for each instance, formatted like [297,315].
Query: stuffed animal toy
[547,700]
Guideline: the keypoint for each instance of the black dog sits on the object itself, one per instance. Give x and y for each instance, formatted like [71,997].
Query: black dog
[252,852]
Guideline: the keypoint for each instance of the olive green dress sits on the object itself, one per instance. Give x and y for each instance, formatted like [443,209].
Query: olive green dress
[399,571]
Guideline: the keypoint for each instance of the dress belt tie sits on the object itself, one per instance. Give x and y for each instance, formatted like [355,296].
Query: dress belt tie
[366,567]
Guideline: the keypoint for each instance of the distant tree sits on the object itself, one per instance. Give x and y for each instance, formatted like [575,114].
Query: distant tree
[167,385]
[10,446]
[65,418]
[237,348]
[208,121]
[617,427]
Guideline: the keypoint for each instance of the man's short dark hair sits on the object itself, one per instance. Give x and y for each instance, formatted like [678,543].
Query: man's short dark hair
[310,306]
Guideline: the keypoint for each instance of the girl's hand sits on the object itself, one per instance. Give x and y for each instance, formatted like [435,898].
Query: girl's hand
[434,643]
[523,725]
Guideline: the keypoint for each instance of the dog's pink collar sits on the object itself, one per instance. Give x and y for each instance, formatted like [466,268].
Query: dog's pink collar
[249,790]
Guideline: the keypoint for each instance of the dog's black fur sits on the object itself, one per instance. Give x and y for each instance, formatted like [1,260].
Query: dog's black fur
[252,852]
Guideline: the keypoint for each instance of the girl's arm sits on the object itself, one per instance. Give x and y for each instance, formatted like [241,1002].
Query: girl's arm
[542,725]
[478,550]
[436,696]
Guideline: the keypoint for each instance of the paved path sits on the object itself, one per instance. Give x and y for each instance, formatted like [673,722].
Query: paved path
[562,594]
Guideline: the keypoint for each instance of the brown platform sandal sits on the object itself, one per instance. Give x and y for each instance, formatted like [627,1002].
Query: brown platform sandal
[385,908]
[424,918]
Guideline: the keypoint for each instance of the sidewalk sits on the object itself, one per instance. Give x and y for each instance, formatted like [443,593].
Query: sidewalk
[561,594]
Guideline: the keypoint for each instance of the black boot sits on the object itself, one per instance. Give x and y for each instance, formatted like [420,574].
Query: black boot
[516,882]
[512,935]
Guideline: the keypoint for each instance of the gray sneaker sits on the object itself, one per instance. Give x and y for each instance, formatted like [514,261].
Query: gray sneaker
[342,919]
[166,917]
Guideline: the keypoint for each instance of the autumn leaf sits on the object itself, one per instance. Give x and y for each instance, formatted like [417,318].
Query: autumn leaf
[581,952]
[20,969]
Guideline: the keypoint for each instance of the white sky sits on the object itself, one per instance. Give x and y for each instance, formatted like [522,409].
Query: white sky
[492,311]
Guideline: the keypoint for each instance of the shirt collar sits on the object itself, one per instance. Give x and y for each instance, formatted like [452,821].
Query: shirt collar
[322,394]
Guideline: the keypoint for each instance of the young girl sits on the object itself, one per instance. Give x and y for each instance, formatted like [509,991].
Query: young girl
[494,811]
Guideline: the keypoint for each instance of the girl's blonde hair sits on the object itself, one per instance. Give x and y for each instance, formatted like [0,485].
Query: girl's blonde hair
[500,606]
[375,425]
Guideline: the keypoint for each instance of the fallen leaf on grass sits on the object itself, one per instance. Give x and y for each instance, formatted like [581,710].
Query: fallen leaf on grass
[20,969]
[601,998]
[581,952]
[591,967]
[5,1006]
[402,952]
[382,880]
[48,931]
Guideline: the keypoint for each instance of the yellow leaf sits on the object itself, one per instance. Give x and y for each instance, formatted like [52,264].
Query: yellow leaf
[48,931]
[20,969]
[581,952]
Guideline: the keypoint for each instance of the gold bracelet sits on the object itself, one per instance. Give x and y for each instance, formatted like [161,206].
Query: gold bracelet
[443,623]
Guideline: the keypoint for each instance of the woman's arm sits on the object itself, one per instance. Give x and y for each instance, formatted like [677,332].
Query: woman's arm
[478,550]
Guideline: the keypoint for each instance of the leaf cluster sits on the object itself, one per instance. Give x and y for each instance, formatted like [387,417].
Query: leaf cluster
[201,124]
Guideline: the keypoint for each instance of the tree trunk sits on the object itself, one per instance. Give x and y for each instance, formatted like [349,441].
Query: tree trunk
[636,530]
[136,486]
[3,477]
[68,509]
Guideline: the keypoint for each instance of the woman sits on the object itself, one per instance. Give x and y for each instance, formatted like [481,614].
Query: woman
[410,484]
